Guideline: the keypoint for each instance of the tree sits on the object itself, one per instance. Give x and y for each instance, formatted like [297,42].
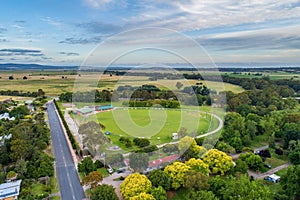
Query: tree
[218,161]
[92,135]
[201,195]
[179,85]
[135,184]
[92,179]
[222,146]
[159,193]
[244,189]
[159,178]
[87,165]
[253,161]
[141,142]
[11,174]
[41,93]
[241,166]
[116,159]
[21,167]
[177,172]
[290,182]
[196,180]
[19,112]
[138,161]
[198,165]
[104,192]
[143,196]
[291,131]
[294,156]
[188,148]
[40,165]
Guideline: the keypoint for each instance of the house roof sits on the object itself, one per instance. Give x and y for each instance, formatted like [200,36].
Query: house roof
[85,110]
[10,189]
[28,102]
[104,107]
[167,159]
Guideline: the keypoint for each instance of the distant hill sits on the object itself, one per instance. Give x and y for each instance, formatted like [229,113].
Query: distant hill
[22,67]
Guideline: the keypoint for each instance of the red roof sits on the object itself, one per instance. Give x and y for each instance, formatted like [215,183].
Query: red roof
[160,161]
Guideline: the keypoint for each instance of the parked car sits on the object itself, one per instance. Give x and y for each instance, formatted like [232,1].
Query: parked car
[110,169]
[273,178]
[121,170]
[267,166]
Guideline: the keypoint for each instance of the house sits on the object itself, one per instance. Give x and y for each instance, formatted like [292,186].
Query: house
[84,111]
[3,138]
[103,108]
[10,190]
[158,163]
[6,116]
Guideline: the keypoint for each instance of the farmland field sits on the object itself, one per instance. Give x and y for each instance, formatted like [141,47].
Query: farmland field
[54,83]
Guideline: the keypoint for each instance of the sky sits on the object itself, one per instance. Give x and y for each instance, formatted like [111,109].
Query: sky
[101,32]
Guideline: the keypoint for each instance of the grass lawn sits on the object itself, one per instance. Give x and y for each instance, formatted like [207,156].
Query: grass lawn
[54,185]
[38,188]
[275,162]
[103,171]
[152,123]
[260,140]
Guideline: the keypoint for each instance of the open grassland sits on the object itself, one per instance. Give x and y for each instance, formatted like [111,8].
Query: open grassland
[54,83]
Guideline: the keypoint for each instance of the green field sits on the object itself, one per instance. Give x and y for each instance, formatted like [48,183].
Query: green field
[152,123]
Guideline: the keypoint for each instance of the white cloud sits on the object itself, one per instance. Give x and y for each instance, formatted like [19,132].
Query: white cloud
[104,3]
[199,14]
[51,21]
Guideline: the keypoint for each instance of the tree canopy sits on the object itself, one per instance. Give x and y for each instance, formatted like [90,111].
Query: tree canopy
[177,172]
[104,192]
[218,161]
[134,185]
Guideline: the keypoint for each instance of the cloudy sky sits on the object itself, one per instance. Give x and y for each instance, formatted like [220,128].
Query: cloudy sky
[150,31]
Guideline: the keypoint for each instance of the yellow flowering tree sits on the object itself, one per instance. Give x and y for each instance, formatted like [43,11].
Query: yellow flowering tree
[135,184]
[198,165]
[177,172]
[188,148]
[218,161]
[142,196]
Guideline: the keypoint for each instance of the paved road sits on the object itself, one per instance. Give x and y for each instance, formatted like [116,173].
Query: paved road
[68,180]
[271,171]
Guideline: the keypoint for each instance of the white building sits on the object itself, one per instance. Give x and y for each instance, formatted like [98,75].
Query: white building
[3,138]
[6,116]
[10,190]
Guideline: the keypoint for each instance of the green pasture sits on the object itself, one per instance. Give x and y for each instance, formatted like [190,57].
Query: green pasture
[157,125]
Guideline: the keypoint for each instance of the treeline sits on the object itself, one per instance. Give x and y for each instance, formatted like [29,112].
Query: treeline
[23,155]
[39,93]
[89,96]
[156,102]
[285,87]
[74,144]
[144,92]
[260,102]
